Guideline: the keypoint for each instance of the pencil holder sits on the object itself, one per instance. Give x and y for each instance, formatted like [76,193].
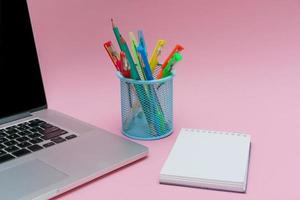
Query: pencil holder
[147,108]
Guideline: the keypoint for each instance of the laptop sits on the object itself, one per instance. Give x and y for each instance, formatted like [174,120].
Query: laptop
[43,152]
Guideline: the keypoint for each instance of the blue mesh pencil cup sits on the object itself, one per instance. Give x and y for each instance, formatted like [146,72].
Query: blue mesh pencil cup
[147,108]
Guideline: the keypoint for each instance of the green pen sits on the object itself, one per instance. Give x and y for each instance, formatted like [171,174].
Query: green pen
[176,58]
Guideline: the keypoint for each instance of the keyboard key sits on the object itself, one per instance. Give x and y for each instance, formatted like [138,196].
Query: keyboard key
[25,132]
[34,135]
[49,144]
[21,152]
[54,134]
[39,130]
[13,136]
[58,140]
[12,131]
[32,124]
[22,128]
[35,123]
[11,149]
[35,147]
[49,130]
[33,130]
[24,144]
[10,143]
[46,125]
[20,125]
[5,158]
[3,135]
[42,122]
[69,137]
[36,140]
[22,139]
[2,140]
[2,152]
[11,128]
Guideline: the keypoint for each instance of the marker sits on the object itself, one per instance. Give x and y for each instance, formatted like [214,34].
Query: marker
[112,54]
[156,53]
[168,69]
[177,48]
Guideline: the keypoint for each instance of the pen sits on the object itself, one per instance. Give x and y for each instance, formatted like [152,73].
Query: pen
[155,105]
[112,54]
[176,58]
[136,56]
[177,48]
[142,40]
[156,53]
[145,62]
[125,69]
[133,70]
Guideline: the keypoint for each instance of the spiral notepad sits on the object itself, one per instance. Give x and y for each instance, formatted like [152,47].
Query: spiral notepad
[208,159]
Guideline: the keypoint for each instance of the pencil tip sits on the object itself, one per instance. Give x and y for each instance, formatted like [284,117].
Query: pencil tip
[112,22]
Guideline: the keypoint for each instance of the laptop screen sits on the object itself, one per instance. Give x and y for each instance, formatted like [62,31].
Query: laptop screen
[21,83]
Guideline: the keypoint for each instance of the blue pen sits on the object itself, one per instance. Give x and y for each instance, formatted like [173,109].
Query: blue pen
[145,62]
[142,40]
[155,107]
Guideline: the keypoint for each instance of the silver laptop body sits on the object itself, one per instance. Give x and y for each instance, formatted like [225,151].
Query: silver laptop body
[47,172]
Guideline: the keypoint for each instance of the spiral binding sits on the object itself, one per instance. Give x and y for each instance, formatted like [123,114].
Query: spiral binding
[215,132]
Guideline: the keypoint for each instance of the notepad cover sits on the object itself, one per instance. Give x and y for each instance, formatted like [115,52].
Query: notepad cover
[209,159]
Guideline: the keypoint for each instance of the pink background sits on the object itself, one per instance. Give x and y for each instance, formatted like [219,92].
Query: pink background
[240,72]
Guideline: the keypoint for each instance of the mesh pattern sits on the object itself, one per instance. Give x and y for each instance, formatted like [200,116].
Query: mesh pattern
[147,108]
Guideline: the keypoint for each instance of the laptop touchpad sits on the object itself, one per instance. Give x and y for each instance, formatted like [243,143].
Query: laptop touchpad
[24,179]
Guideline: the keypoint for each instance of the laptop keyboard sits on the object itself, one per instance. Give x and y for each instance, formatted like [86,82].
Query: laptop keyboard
[28,137]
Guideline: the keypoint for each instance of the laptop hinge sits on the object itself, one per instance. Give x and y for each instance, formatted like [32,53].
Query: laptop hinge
[15,117]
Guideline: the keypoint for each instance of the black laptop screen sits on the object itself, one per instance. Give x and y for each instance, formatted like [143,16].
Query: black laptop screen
[21,87]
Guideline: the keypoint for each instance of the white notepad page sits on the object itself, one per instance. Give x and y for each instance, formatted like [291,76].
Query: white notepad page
[215,158]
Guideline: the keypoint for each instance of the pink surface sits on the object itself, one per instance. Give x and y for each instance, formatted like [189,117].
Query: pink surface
[240,72]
